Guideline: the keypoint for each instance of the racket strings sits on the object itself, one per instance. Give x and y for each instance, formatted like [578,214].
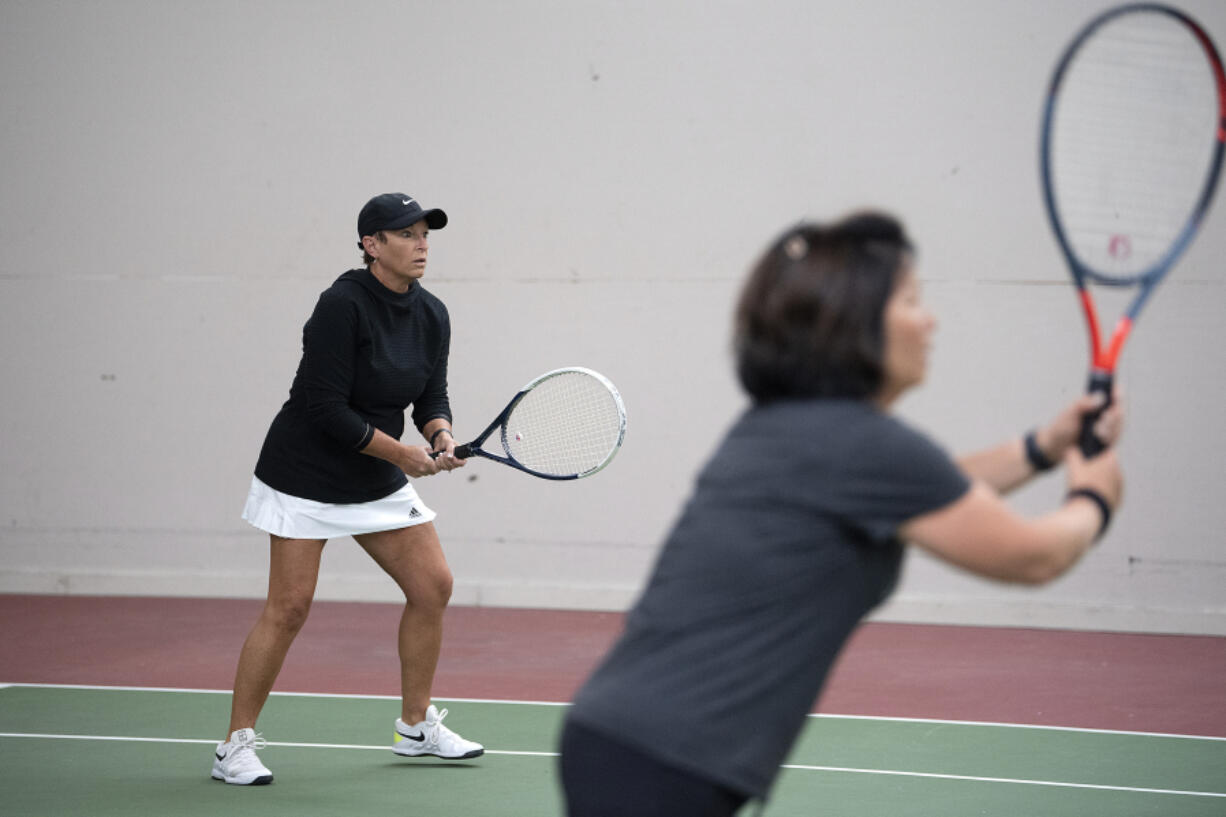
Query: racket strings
[1133,135]
[568,424]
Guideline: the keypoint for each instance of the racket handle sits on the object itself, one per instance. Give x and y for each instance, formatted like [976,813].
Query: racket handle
[462,452]
[1100,381]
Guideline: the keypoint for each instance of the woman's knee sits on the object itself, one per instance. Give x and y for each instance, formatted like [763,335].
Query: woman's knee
[434,590]
[287,614]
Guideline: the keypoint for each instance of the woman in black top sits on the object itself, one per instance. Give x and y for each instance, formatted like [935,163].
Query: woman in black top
[332,464]
[795,531]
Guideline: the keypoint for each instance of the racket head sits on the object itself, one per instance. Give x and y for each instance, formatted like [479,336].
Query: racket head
[568,423]
[1132,141]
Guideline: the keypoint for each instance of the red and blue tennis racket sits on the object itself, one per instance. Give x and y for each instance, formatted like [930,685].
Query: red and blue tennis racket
[1132,142]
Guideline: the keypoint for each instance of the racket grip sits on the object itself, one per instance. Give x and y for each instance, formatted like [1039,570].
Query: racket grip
[462,452]
[1100,381]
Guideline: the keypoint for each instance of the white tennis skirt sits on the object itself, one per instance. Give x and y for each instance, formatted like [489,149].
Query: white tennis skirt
[293,517]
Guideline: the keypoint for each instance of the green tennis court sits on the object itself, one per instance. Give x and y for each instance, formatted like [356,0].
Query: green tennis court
[112,750]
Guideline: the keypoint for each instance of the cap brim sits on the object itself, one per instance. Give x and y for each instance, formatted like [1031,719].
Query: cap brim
[435,220]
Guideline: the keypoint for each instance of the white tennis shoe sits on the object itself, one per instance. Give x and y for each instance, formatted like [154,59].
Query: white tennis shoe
[235,760]
[430,737]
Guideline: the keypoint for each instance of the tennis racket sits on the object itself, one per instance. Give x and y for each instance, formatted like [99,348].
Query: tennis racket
[565,424]
[1132,139]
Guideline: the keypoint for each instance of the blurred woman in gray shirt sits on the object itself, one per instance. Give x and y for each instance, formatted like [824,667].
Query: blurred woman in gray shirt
[795,531]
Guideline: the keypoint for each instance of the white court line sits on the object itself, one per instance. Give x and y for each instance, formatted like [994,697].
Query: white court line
[1130,789]
[1002,725]
[817,715]
[793,766]
[206,741]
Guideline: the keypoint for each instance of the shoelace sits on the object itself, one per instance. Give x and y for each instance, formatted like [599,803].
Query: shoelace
[433,728]
[242,755]
[256,742]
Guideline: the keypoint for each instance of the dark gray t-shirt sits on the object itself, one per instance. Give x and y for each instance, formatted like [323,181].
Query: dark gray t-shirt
[788,541]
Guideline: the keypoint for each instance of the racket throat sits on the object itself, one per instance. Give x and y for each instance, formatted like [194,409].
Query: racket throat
[1103,359]
[1112,355]
[1091,316]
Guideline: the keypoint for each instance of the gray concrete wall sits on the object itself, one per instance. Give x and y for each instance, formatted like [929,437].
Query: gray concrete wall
[182,179]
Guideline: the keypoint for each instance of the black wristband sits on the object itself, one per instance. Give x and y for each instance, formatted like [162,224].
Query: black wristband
[437,432]
[1034,455]
[1103,507]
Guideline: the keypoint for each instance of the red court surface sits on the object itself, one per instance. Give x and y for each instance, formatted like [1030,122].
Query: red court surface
[1118,681]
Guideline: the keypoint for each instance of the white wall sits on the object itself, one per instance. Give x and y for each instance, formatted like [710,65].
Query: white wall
[182,179]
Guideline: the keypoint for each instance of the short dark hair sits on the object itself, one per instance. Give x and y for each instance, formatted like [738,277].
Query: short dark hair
[367,258]
[809,322]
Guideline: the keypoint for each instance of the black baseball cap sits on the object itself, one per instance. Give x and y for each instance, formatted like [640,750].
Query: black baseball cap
[392,211]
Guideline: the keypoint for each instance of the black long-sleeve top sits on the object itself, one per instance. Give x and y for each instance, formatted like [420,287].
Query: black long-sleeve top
[368,353]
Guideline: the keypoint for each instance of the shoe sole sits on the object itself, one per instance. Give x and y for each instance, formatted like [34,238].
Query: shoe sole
[466,756]
[262,780]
